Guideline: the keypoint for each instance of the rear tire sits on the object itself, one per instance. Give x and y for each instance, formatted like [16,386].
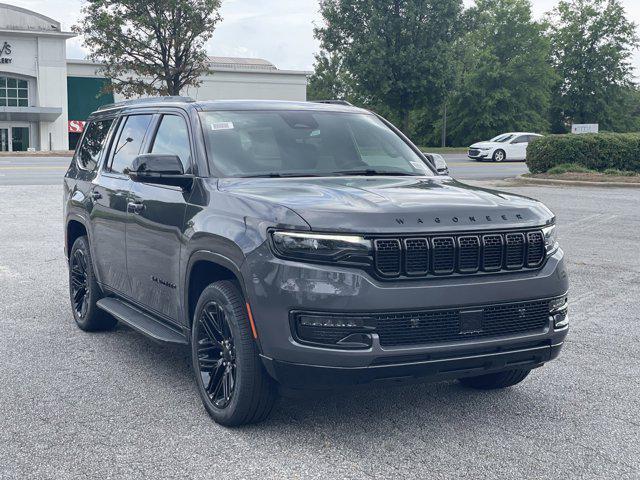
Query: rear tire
[496,380]
[84,291]
[232,382]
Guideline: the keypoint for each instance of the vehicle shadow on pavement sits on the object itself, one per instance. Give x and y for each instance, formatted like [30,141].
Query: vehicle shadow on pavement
[365,410]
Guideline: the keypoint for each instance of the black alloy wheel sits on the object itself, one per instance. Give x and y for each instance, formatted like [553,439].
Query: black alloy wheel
[80,288]
[216,355]
[84,291]
[232,382]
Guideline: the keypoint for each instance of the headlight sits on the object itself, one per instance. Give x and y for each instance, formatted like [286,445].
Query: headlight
[321,247]
[558,308]
[484,148]
[550,238]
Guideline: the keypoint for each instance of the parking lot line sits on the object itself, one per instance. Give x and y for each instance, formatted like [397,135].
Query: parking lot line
[32,167]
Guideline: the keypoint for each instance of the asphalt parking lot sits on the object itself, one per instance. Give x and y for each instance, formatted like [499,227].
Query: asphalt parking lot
[115,405]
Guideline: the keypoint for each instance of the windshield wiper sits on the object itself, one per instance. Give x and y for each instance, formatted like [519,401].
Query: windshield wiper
[280,175]
[373,172]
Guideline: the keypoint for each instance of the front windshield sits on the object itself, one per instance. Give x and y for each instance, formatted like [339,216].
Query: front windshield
[505,137]
[305,143]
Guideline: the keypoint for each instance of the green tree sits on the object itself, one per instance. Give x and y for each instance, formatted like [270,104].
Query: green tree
[592,42]
[149,48]
[505,77]
[393,54]
[328,80]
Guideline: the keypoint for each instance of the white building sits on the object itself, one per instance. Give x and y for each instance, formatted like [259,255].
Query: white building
[45,97]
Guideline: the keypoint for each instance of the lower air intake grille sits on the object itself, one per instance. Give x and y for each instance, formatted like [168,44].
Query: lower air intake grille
[441,326]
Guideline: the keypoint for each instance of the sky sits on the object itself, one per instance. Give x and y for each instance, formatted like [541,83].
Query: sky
[280,31]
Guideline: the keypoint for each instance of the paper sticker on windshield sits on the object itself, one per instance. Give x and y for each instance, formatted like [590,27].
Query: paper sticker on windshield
[419,166]
[222,126]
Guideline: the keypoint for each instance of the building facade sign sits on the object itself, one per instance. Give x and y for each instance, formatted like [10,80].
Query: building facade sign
[76,126]
[585,128]
[5,51]
[46,98]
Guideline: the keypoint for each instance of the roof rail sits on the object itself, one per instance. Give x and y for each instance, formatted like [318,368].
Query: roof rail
[334,102]
[142,101]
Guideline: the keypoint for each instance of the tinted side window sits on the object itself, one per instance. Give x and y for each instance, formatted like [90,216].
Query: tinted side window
[521,139]
[173,138]
[127,147]
[92,144]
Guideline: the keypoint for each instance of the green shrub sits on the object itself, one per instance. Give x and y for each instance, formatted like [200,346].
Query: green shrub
[620,173]
[569,167]
[594,151]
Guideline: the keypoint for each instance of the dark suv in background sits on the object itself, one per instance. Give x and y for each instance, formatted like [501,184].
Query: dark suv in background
[303,245]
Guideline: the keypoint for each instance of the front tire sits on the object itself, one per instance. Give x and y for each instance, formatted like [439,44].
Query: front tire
[499,156]
[84,291]
[494,381]
[234,387]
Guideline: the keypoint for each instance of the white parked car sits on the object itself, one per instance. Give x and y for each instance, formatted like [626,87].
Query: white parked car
[508,146]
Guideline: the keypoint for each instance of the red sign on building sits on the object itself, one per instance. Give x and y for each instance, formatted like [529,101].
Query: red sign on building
[76,126]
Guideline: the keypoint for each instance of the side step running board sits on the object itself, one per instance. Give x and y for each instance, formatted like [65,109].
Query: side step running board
[141,322]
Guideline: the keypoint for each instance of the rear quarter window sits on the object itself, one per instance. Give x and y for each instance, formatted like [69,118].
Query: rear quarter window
[93,143]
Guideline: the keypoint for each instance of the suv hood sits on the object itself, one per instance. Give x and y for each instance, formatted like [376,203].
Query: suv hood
[392,204]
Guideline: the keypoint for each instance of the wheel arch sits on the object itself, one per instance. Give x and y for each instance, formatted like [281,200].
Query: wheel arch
[74,229]
[205,267]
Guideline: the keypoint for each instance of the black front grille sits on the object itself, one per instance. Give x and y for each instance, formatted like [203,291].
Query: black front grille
[441,326]
[492,248]
[468,254]
[515,250]
[459,253]
[416,258]
[444,255]
[388,256]
[536,249]
[474,153]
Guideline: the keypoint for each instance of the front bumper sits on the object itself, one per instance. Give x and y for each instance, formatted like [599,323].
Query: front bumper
[473,362]
[479,154]
[276,287]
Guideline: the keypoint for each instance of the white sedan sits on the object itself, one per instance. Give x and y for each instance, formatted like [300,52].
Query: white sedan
[508,146]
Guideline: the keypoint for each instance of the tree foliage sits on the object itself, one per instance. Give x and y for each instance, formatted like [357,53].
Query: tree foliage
[506,78]
[328,80]
[155,47]
[394,54]
[592,43]
[491,67]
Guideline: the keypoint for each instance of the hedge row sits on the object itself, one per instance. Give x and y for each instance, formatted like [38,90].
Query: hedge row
[596,151]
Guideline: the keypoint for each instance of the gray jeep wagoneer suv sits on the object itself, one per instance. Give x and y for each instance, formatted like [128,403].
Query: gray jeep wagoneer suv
[304,245]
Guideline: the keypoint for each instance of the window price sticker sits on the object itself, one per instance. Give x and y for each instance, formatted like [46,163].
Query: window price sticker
[222,126]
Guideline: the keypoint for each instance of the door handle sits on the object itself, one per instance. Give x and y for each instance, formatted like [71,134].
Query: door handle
[96,195]
[135,207]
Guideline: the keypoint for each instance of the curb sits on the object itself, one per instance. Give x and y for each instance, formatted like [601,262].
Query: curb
[40,154]
[577,183]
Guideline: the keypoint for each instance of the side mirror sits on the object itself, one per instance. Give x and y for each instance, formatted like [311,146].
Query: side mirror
[439,164]
[160,169]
